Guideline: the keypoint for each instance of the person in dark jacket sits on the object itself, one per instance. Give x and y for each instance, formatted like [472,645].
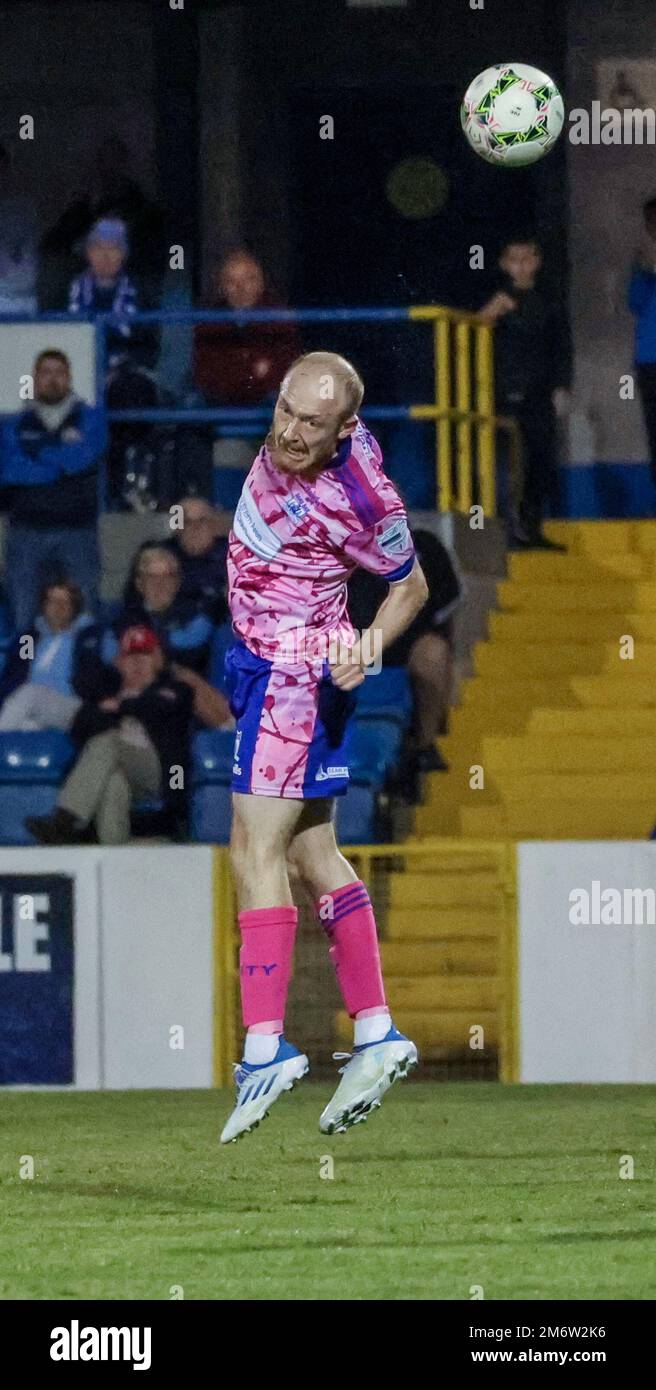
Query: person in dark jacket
[202,554]
[242,363]
[153,597]
[49,460]
[132,744]
[642,303]
[425,649]
[532,367]
[38,683]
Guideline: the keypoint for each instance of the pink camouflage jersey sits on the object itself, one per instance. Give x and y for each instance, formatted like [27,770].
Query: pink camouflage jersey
[294,545]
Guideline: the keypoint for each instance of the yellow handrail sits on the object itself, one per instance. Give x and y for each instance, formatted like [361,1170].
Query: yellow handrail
[455,333]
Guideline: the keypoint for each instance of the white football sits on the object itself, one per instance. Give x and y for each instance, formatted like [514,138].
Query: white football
[512,114]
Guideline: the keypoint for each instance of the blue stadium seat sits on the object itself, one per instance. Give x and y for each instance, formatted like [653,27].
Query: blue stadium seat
[227,484]
[6,633]
[32,767]
[211,775]
[356,816]
[374,749]
[387,695]
[222,639]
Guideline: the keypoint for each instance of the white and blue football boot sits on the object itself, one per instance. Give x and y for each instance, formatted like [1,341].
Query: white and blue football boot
[369,1073]
[258,1086]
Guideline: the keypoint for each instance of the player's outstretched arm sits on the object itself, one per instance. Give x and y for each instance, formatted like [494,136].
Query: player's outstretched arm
[403,602]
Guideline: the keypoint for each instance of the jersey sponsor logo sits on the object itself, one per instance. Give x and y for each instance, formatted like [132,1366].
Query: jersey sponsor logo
[251,529]
[394,539]
[323,773]
[296,507]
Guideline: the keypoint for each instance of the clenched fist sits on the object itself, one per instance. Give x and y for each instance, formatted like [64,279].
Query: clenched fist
[347,670]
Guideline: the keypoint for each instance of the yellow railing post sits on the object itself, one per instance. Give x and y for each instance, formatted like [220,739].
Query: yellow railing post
[442,350]
[226,994]
[467,415]
[464,428]
[484,368]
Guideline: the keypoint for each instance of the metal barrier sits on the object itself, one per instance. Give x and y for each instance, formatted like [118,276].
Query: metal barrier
[463,408]
[314,1002]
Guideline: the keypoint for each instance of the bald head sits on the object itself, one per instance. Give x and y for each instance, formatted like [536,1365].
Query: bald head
[332,377]
[315,412]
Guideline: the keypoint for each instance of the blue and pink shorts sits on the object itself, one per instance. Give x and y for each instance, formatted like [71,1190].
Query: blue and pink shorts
[291,738]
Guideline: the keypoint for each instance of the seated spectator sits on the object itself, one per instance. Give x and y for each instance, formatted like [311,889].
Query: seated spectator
[50,455]
[130,745]
[425,648]
[242,363]
[202,554]
[18,245]
[153,598]
[133,742]
[38,691]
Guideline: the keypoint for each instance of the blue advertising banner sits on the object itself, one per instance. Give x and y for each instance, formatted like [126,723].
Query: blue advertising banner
[36,979]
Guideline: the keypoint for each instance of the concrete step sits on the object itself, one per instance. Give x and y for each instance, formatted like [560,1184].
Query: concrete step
[619,787]
[556,628]
[451,957]
[564,820]
[637,596]
[605,690]
[541,567]
[634,723]
[458,890]
[559,752]
[448,923]
[466,993]
[589,537]
[493,659]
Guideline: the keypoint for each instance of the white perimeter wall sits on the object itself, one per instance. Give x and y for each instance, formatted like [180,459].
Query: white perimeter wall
[587,994]
[143,961]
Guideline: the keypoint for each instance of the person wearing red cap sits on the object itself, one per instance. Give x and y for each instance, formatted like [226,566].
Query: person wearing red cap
[133,744]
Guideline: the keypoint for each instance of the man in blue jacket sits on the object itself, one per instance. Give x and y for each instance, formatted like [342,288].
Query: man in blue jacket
[642,303]
[49,460]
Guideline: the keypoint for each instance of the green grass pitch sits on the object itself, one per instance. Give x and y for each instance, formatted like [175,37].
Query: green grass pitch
[515,1189]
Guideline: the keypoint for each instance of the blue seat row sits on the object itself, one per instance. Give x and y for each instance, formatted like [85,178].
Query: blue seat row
[33,766]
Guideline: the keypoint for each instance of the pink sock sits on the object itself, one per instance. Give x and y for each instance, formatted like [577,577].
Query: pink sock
[348,920]
[265,963]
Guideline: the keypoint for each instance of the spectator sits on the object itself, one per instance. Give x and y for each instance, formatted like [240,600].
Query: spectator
[38,691]
[532,374]
[106,288]
[202,554]
[131,745]
[642,303]
[153,598]
[425,648]
[50,455]
[18,246]
[133,739]
[112,193]
[242,364]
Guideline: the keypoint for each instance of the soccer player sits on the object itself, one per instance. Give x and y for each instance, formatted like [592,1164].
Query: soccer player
[315,505]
